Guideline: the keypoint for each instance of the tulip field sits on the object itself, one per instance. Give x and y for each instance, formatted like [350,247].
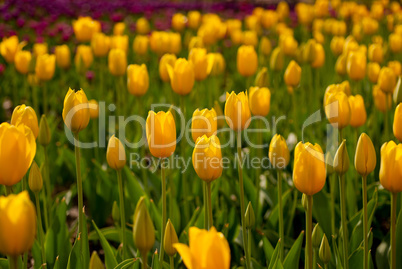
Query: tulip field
[200,134]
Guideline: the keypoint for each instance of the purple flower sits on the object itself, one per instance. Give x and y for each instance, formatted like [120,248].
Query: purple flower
[90,75]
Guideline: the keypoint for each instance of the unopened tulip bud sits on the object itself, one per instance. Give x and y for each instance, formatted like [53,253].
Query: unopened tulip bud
[309,53]
[115,154]
[373,70]
[387,80]
[247,60]
[262,78]
[76,110]
[279,155]
[277,59]
[143,229]
[95,262]
[44,132]
[316,237]
[170,239]
[115,213]
[365,157]
[292,75]
[237,111]
[35,181]
[341,160]
[325,250]
[398,91]
[249,217]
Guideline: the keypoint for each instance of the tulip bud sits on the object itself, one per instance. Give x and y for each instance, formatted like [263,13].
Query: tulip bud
[194,19]
[356,65]
[247,60]
[170,239]
[181,76]
[203,122]
[373,70]
[207,158]
[341,160]
[262,78]
[325,250]
[288,44]
[398,91]
[365,157]
[140,44]
[337,43]
[277,59]
[249,220]
[279,155]
[179,22]
[85,27]
[95,262]
[45,66]
[309,53]
[143,229]
[292,75]
[22,61]
[115,213]
[118,28]
[161,133]
[259,101]
[219,114]
[316,237]
[93,109]
[44,135]
[76,110]
[237,111]
[23,114]
[265,46]
[319,58]
[375,53]
[340,65]
[100,44]
[35,181]
[142,26]
[358,113]
[83,57]
[117,62]
[137,79]
[198,56]
[395,42]
[115,154]
[119,42]
[387,80]
[337,109]
[396,67]
[63,56]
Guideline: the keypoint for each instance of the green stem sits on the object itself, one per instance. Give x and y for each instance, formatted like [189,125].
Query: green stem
[13,262]
[280,207]
[44,92]
[344,221]
[163,212]
[242,206]
[332,182]
[9,190]
[40,228]
[309,228]
[45,210]
[249,241]
[48,189]
[25,260]
[365,224]
[35,98]
[122,214]
[144,264]
[315,255]
[204,188]
[183,174]
[171,262]
[257,178]
[210,220]
[80,195]
[394,197]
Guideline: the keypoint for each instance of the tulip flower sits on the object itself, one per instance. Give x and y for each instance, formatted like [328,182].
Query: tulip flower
[100,44]
[18,148]
[336,45]
[63,56]
[269,18]
[44,135]
[387,80]
[250,38]
[23,114]
[382,101]
[207,248]
[167,59]
[83,57]
[237,111]
[292,75]
[118,28]
[181,76]
[119,42]
[93,109]
[117,62]
[216,63]
[337,109]
[282,9]
[259,101]
[265,46]
[373,70]
[85,27]
[340,65]
[39,49]
[9,47]
[397,126]
[247,60]
[142,26]
[391,180]
[140,44]
[319,58]
[288,44]
[159,42]
[45,66]
[195,42]
[198,56]
[75,110]
[161,133]
[375,53]
[395,42]
[137,79]
[22,61]
[179,22]
[143,230]
[17,225]
[396,67]
[194,19]
[358,113]
[174,43]
[356,65]
[277,60]
[203,122]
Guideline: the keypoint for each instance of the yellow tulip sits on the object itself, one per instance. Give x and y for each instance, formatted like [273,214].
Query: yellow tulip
[387,80]
[83,57]
[278,154]
[39,49]
[341,159]
[159,42]
[282,10]
[9,47]
[207,249]
[198,57]
[179,22]
[358,113]
[143,228]
[216,63]
[63,56]
[117,62]
[292,75]
[337,109]
[319,59]
[261,79]
[207,158]
[309,168]
[76,110]
[194,19]
[85,27]
[140,44]
[397,126]
[203,122]
[337,43]
[115,154]
[161,134]
[208,33]
[288,44]
[253,23]
[22,61]
[137,79]
[118,28]
[174,43]
[45,66]
[18,148]
[233,25]
[247,60]
[142,26]
[265,46]
[396,67]
[195,42]
[259,100]
[100,44]
[119,42]
[395,42]
[17,224]
[305,13]
[373,70]
[356,65]
[93,109]
[23,114]
[321,9]
[382,101]
[365,157]
[167,59]
[375,53]
[369,26]
[340,65]
[269,18]
[237,37]
[237,111]
[390,168]
[181,76]
[250,38]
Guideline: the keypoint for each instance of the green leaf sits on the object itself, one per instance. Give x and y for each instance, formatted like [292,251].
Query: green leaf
[75,257]
[126,264]
[268,249]
[110,259]
[293,256]
[36,254]
[356,258]
[275,256]
[321,211]
[255,264]
[113,234]
[3,263]
[398,246]
[155,261]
